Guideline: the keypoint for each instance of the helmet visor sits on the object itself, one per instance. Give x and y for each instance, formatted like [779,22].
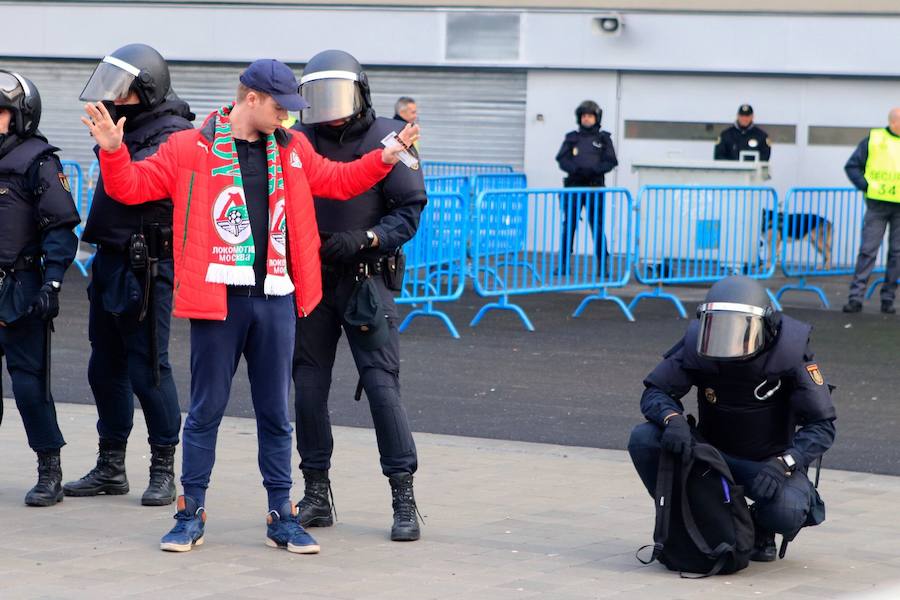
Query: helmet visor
[109,81]
[11,90]
[330,100]
[730,331]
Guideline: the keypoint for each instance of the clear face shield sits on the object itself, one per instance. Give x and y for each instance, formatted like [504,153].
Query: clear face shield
[332,95]
[730,331]
[11,90]
[111,80]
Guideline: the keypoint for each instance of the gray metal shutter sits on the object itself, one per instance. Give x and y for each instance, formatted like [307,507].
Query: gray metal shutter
[466,114]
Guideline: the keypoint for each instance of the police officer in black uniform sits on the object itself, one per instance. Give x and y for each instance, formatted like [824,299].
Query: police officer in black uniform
[586,156]
[131,290]
[37,245]
[743,136]
[763,402]
[360,239]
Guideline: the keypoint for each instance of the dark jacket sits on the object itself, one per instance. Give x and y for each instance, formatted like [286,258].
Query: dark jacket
[113,223]
[586,156]
[856,165]
[732,416]
[735,140]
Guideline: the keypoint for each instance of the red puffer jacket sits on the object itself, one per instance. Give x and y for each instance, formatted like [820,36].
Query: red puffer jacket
[181,170]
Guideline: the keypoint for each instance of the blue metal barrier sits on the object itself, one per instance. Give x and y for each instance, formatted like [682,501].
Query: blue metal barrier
[75,175]
[820,236]
[454,184]
[432,168]
[700,234]
[436,258]
[519,245]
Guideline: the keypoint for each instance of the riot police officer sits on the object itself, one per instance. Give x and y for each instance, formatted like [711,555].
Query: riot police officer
[360,241]
[743,136]
[586,156]
[131,289]
[762,400]
[37,245]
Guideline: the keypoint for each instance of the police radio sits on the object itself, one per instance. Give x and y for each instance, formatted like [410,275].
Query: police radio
[138,252]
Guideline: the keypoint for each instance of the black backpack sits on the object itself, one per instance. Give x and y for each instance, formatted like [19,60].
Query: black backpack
[703,524]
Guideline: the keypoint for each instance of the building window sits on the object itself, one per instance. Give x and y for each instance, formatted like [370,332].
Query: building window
[699,131]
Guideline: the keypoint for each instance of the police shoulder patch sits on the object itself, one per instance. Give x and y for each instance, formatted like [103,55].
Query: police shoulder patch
[64,181]
[815,374]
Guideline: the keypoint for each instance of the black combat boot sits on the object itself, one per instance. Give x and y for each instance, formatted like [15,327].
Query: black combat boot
[48,490]
[406,523]
[161,490]
[764,549]
[315,507]
[108,477]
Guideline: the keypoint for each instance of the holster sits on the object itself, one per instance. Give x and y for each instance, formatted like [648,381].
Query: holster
[394,270]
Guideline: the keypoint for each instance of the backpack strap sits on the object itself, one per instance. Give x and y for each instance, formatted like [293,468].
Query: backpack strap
[665,479]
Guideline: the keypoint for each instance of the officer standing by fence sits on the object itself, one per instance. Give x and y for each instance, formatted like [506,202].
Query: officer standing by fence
[757,382]
[37,245]
[586,156]
[131,288]
[874,168]
[743,136]
[361,238]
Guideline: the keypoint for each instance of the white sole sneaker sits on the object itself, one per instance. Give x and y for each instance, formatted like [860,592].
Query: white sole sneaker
[170,547]
[295,549]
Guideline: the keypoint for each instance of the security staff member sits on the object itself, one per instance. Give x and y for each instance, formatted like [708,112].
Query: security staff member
[586,156]
[743,136]
[37,245]
[358,238]
[874,169]
[131,290]
[763,403]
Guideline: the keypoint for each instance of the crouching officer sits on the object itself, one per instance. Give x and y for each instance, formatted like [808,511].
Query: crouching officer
[131,289]
[361,238]
[763,402]
[37,245]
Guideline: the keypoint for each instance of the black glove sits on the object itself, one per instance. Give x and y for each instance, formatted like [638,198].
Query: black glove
[46,303]
[343,246]
[676,437]
[769,480]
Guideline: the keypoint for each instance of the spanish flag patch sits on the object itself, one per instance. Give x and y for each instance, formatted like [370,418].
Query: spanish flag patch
[815,374]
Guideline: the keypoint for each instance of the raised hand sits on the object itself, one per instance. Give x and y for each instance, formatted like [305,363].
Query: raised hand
[107,132]
[408,136]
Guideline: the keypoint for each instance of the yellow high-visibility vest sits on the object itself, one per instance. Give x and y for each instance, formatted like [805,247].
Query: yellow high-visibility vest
[883,166]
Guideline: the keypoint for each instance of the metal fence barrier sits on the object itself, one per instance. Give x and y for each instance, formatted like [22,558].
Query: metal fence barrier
[519,245]
[436,258]
[82,198]
[820,236]
[432,168]
[700,234]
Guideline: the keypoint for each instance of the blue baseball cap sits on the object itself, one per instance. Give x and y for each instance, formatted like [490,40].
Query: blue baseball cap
[276,79]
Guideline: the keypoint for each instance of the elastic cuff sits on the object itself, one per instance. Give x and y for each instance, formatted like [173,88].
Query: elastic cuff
[195,492]
[277,497]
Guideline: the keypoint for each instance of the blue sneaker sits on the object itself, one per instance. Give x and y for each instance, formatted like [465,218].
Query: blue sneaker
[283,530]
[188,530]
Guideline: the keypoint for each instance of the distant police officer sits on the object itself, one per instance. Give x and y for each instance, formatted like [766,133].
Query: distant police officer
[37,245]
[359,241]
[586,156]
[763,402]
[743,136]
[131,290]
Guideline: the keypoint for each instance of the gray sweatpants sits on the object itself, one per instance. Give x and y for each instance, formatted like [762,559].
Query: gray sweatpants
[878,216]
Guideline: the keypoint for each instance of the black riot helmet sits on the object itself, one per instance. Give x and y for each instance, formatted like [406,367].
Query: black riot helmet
[588,107]
[135,67]
[737,320]
[21,97]
[335,86]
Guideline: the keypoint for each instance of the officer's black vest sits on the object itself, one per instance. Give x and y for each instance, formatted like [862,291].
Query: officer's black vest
[733,418]
[590,146]
[367,209]
[18,211]
[112,223]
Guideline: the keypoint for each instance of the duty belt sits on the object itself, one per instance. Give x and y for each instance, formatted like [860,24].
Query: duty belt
[368,267]
[23,263]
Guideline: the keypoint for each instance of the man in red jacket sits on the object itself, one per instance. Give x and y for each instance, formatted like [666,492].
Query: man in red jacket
[245,240]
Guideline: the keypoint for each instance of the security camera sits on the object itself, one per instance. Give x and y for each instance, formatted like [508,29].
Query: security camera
[610,24]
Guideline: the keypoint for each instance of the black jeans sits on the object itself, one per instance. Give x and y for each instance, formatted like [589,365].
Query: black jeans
[120,366]
[879,215]
[379,370]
